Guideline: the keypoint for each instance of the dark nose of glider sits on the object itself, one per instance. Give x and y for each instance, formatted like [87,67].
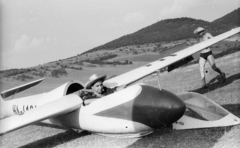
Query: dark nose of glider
[152,107]
[157,108]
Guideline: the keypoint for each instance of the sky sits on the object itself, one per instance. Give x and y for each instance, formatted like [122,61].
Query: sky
[34,32]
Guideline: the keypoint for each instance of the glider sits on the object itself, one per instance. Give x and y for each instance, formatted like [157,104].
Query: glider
[135,111]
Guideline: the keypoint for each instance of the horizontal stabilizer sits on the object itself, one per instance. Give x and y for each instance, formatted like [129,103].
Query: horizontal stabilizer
[202,112]
[20,88]
[61,106]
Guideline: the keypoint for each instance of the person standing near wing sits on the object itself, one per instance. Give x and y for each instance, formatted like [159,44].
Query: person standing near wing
[206,55]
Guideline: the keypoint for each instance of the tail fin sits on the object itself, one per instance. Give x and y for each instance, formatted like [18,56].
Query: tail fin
[20,88]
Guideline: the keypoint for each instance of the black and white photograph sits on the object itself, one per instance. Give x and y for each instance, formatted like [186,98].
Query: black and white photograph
[119,73]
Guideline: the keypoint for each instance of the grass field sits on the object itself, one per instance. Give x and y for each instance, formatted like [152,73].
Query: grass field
[179,80]
[148,57]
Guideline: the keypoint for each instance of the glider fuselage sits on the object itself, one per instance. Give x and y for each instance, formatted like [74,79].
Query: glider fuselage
[135,111]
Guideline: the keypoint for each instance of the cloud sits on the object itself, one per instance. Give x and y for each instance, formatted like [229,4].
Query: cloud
[26,43]
[134,17]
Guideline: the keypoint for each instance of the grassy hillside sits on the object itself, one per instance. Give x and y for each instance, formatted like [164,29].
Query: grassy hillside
[149,43]
[184,79]
[164,31]
[173,30]
[126,59]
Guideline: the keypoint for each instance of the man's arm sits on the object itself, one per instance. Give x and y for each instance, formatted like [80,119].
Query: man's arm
[85,93]
[208,36]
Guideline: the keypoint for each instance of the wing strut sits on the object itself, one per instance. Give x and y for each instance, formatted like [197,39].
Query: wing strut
[158,74]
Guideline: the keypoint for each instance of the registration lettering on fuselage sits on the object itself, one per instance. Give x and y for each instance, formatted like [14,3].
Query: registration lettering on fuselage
[21,109]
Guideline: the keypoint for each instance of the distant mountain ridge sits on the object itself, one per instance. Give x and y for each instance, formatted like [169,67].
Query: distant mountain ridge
[164,31]
[231,19]
[172,30]
[154,38]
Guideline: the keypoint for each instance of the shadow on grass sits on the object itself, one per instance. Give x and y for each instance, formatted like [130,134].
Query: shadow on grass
[51,126]
[56,139]
[169,138]
[166,137]
[215,85]
[233,108]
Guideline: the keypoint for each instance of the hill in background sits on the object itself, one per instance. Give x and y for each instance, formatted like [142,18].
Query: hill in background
[157,40]
[172,30]
[231,19]
[164,31]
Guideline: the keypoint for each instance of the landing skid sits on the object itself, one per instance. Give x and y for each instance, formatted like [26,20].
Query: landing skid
[130,135]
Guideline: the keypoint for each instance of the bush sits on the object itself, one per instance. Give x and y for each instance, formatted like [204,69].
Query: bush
[58,72]
[135,52]
[40,73]
[23,77]
[75,68]
[99,62]
[12,72]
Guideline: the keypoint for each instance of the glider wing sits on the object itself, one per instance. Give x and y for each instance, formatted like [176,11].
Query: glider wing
[61,106]
[20,88]
[141,72]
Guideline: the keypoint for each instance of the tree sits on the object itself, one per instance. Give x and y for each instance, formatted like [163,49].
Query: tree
[135,52]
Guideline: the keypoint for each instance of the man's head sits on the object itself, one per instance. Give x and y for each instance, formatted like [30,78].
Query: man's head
[200,31]
[95,83]
[98,87]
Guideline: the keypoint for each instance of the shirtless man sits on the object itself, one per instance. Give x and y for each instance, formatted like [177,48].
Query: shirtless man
[206,55]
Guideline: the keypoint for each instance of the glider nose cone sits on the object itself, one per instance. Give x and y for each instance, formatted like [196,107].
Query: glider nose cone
[173,107]
[162,107]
